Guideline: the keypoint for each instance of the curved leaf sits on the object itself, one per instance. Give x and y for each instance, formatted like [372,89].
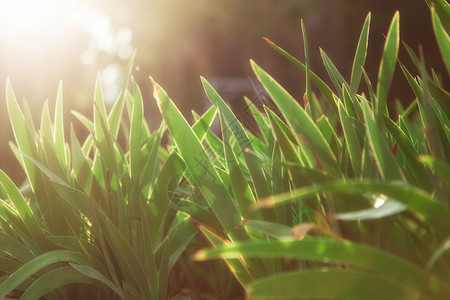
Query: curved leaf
[297,118]
[90,272]
[394,268]
[36,264]
[360,56]
[53,280]
[329,284]
[387,66]
[200,166]
[442,37]
[425,205]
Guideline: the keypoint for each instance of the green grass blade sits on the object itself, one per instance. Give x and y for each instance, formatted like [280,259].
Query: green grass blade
[387,209]
[260,118]
[31,267]
[298,119]
[443,10]
[18,250]
[84,120]
[58,137]
[360,56]
[99,107]
[26,214]
[442,37]
[148,257]
[22,133]
[372,95]
[88,271]
[202,125]
[180,236]
[16,228]
[412,82]
[319,83]
[386,163]
[282,136]
[411,155]
[241,189]
[54,280]
[445,247]
[172,169]
[280,184]
[387,66]
[28,116]
[200,166]
[336,77]
[46,128]
[8,266]
[78,199]
[357,255]
[164,271]
[435,127]
[330,134]
[135,133]
[243,140]
[307,71]
[115,116]
[442,98]
[440,167]
[292,163]
[89,249]
[127,258]
[434,213]
[413,56]
[274,230]
[214,146]
[352,106]
[351,141]
[80,164]
[150,160]
[102,135]
[329,284]
[236,265]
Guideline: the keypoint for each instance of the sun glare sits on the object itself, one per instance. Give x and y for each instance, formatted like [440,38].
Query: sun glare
[379,201]
[27,19]
[35,34]
[33,26]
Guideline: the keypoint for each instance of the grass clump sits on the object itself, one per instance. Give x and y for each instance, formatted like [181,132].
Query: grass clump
[333,199]
[99,213]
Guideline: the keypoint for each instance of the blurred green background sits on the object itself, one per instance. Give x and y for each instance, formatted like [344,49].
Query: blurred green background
[43,42]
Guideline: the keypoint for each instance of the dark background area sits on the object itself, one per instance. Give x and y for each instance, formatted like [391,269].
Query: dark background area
[177,41]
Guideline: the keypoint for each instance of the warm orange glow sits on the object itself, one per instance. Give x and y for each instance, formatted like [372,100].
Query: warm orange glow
[58,37]
[35,23]
[35,27]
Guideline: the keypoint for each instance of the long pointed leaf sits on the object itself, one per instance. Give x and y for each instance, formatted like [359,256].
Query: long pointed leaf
[297,118]
[387,66]
[200,166]
[360,56]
